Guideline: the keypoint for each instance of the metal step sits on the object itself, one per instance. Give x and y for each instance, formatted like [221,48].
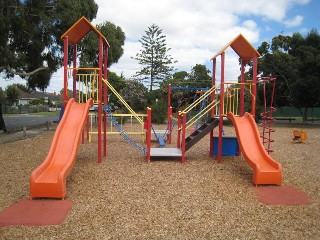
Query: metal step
[165,152]
[197,135]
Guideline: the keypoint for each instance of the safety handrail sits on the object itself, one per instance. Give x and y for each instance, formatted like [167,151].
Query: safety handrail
[199,115]
[201,98]
[123,101]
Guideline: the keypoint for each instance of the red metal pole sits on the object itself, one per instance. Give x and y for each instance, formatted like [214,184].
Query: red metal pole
[169,113]
[74,73]
[213,96]
[100,99]
[242,87]
[65,71]
[183,143]
[105,98]
[221,108]
[179,131]
[254,87]
[170,125]
[88,124]
[149,116]
[169,95]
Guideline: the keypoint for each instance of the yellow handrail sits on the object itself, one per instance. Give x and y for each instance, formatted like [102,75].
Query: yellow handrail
[123,101]
[201,113]
[195,103]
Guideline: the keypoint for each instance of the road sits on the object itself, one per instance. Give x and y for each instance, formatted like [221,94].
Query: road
[16,122]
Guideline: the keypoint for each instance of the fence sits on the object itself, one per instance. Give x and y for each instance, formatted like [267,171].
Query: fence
[24,109]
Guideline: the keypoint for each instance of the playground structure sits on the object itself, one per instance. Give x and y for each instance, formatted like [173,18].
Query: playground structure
[91,86]
[299,136]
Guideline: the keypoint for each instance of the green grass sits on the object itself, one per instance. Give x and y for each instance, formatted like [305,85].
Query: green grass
[43,114]
[39,114]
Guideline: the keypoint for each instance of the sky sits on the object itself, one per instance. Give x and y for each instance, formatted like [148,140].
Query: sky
[196,30]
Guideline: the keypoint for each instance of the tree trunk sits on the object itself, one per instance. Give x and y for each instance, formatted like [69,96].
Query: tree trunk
[2,123]
[305,115]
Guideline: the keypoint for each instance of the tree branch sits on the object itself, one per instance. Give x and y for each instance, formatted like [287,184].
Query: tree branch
[22,74]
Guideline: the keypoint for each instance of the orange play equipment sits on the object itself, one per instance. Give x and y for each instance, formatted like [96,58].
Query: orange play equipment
[299,136]
[49,179]
[265,169]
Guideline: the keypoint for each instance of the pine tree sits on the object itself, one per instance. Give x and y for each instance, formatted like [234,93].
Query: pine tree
[154,58]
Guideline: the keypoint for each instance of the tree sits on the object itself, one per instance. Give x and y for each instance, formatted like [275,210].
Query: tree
[2,100]
[200,74]
[12,94]
[181,75]
[154,58]
[30,37]
[135,94]
[295,62]
[88,48]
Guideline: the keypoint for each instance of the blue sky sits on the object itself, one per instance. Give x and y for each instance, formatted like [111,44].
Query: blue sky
[197,30]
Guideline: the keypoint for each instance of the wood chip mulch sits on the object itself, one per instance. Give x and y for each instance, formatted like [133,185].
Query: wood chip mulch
[127,198]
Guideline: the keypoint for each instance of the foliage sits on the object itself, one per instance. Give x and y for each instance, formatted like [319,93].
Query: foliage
[2,100]
[30,36]
[134,94]
[181,75]
[12,94]
[41,101]
[153,57]
[159,111]
[199,72]
[23,88]
[198,78]
[89,50]
[295,62]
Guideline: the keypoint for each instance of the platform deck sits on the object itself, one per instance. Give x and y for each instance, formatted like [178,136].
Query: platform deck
[165,152]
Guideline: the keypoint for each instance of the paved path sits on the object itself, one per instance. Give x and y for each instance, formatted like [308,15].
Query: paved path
[16,122]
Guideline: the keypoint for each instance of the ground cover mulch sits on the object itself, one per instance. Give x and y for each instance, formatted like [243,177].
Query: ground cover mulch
[127,198]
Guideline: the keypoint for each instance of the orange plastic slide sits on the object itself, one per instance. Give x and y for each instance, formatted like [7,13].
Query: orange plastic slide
[265,169]
[49,179]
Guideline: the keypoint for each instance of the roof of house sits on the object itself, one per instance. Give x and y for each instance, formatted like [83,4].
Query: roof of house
[80,29]
[26,95]
[38,95]
[242,47]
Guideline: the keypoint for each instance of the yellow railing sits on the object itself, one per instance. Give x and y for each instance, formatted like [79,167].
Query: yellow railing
[200,99]
[212,104]
[87,83]
[111,130]
[123,101]
[202,113]
[232,96]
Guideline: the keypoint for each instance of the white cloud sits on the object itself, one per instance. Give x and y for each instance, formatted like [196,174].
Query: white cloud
[195,30]
[296,21]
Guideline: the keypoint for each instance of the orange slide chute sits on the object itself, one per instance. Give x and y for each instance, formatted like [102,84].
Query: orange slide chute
[265,169]
[49,179]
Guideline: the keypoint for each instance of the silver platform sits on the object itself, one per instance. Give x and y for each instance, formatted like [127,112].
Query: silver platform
[165,152]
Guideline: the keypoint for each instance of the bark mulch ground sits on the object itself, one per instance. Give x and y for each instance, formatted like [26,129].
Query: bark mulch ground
[127,198]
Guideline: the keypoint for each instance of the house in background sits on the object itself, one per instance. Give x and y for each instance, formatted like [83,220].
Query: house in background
[26,98]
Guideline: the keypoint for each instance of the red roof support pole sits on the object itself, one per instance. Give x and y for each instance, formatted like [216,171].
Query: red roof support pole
[105,99]
[183,140]
[169,114]
[149,116]
[242,87]
[170,125]
[254,87]
[65,71]
[100,99]
[74,74]
[213,96]
[179,131]
[221,108]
